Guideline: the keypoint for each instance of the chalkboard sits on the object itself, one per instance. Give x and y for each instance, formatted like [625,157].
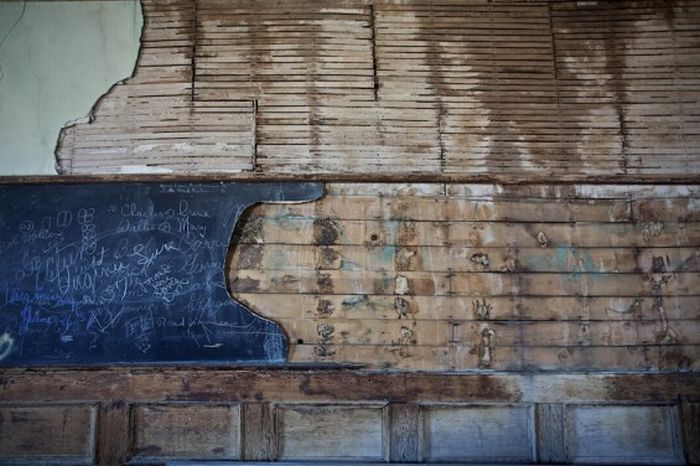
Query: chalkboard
[129,273]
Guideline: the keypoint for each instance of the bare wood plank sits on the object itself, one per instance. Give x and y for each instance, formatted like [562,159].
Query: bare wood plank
[166,430]
[551,438]
[405,427]
[258,432]
[470,91]
[114,435]
[690,422]
[72,429]
[144,385]
[341,431]
[519,308]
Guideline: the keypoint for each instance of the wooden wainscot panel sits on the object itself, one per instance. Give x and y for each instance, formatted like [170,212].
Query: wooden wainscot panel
[45,433]
[479,433]
[187,431]
[349,432]
[623,434]
[691,430]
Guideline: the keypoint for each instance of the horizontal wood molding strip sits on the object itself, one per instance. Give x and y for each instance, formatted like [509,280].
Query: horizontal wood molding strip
[372,177]
[318,385]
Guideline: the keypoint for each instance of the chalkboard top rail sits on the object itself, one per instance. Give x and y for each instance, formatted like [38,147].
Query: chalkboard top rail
[492,178]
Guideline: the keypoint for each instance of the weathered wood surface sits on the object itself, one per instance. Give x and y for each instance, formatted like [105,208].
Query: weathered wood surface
[435,276]
[406,435]
[155,415]
[690,416]
[187,430]
[551,435]
[499,433]
[312,432]
[605,434]
[258,431]
[555,89]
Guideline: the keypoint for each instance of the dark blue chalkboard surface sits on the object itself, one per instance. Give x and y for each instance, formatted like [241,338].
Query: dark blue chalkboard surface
[129,273]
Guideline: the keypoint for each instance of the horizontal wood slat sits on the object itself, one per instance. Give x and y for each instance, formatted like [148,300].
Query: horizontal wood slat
[456,277]
[555,89]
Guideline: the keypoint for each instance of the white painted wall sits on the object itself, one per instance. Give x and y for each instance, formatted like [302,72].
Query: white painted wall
[58,60]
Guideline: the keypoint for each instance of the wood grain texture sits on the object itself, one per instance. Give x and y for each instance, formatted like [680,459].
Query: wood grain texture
[28,429]
[186,430]
[551,436]
[639,434]
[555,89]
[189,414]
[331,432]
[259,432]
[115,435]
[405,435]
[325,385]
[479,433]
[348,413]
[690,417]
[436,276]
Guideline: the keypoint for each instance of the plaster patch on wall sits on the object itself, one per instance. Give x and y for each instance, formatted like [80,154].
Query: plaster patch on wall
[57,61]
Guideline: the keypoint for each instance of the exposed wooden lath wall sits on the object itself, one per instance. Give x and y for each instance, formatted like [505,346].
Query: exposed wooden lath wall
[444,277]
[561,88]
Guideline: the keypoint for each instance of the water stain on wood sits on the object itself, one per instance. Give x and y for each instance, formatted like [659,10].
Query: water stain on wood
[597,297]
[326,231]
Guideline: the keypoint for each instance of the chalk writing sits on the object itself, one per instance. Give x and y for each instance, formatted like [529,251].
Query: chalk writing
[6,342]
[124,273]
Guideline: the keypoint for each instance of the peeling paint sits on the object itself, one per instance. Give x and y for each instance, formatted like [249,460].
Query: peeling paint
[401,285]
[480,258]
[486,344]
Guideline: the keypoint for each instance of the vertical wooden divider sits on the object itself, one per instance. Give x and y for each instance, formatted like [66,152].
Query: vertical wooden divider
[690,422]
[551,440]
[258,432]
[114,433]
[405,432]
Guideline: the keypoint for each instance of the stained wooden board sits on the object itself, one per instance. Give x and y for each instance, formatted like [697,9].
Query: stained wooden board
[517,334]
[440,208]
[466,283]
[327,307]
[293,230]
[465,276]
[293,257]
[554,89]
[639,358]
